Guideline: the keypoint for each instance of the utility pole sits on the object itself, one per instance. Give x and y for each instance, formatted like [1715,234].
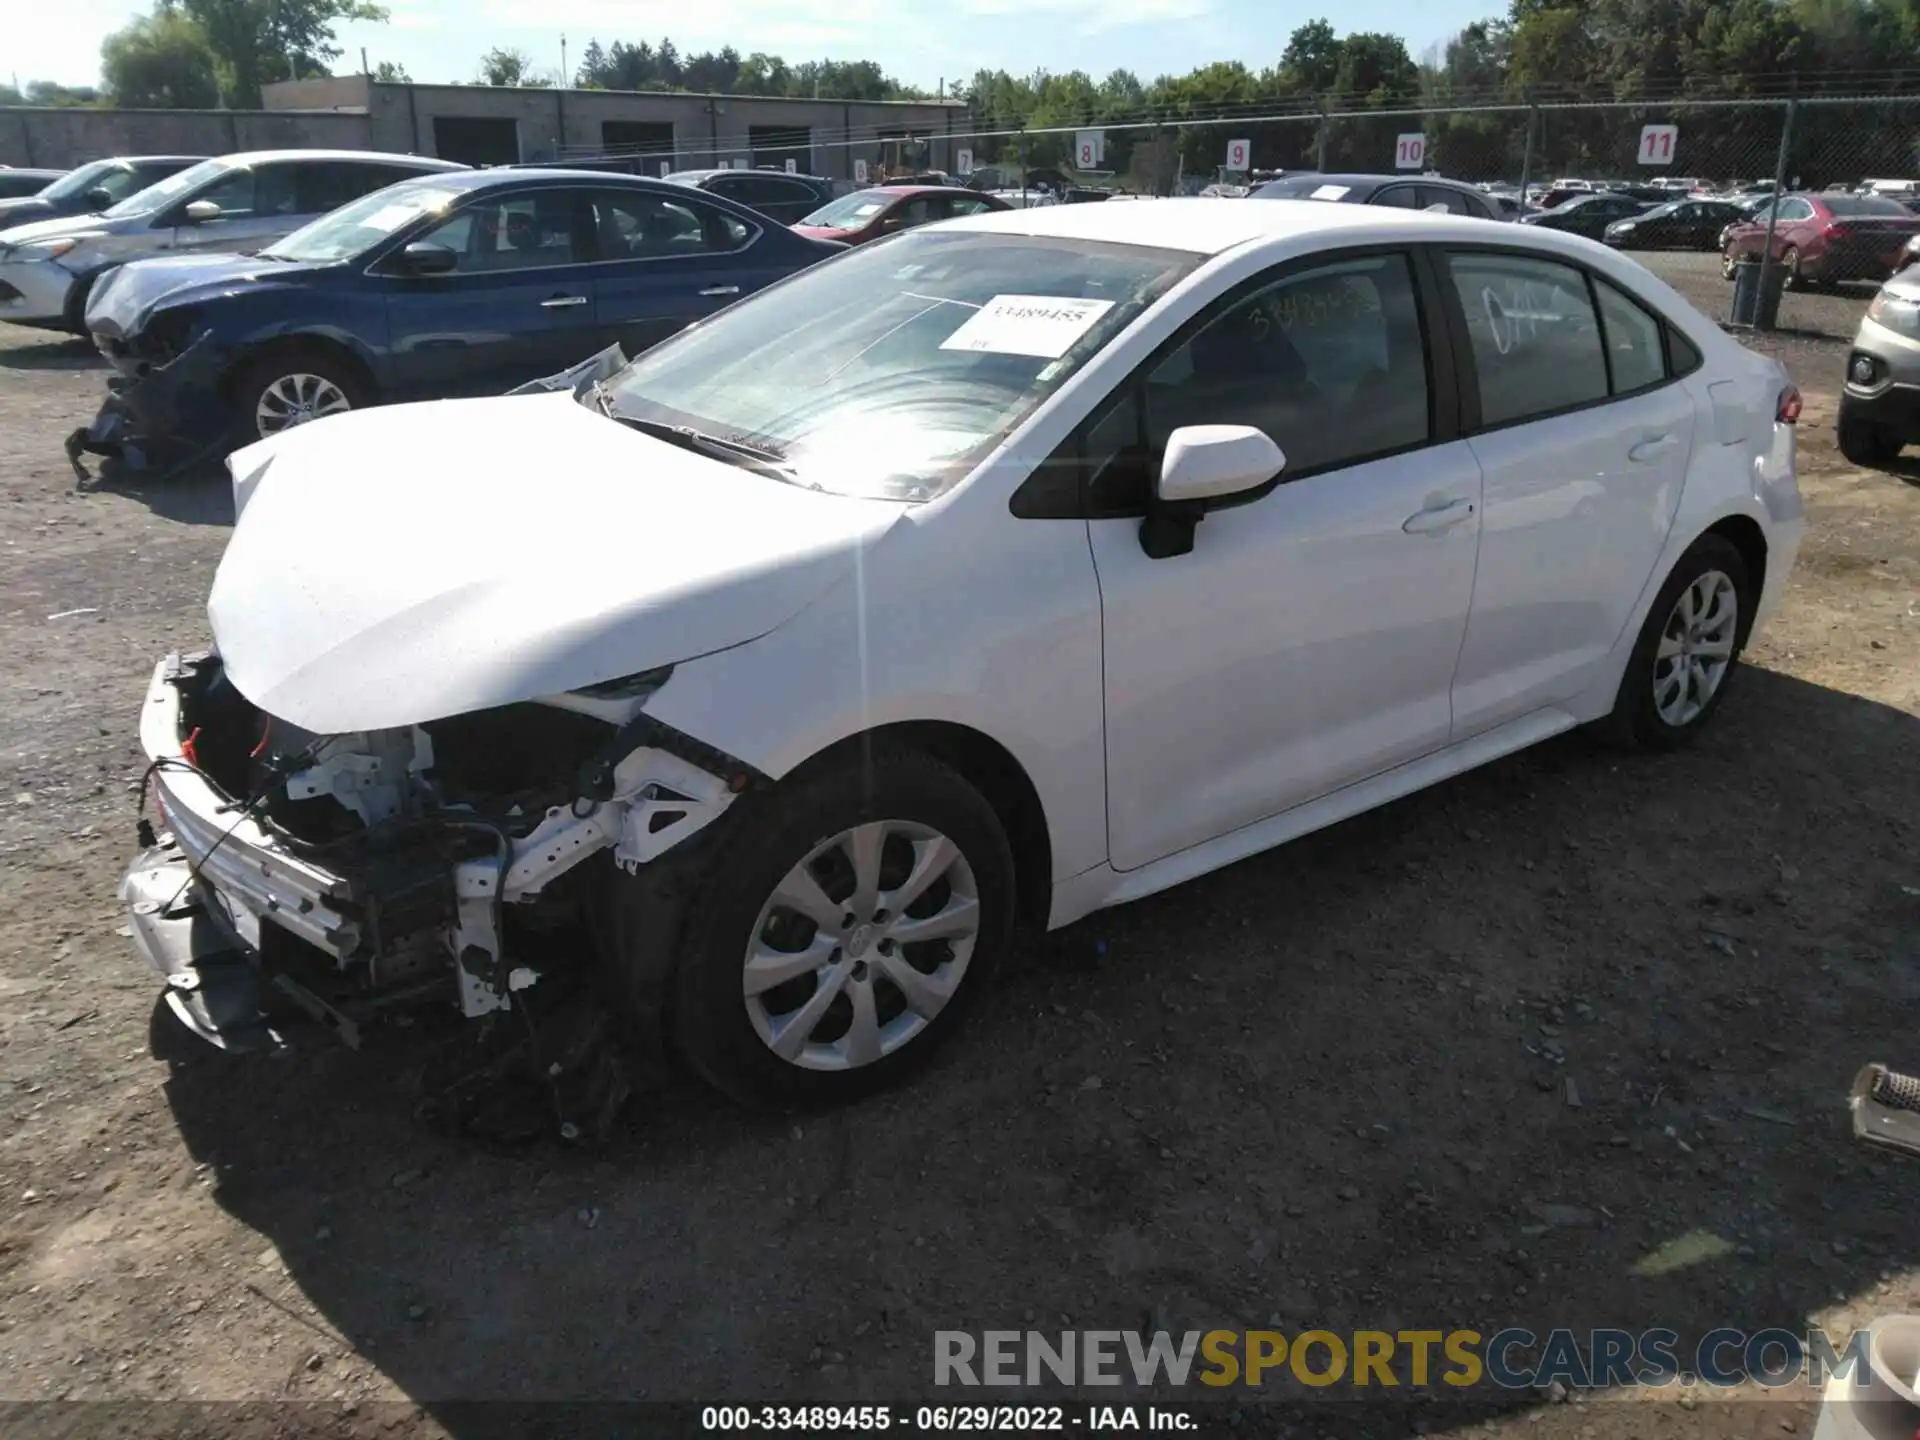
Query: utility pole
[363,62]
[564,81]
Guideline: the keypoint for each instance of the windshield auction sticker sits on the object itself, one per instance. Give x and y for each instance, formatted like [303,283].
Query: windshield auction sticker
[1042,326]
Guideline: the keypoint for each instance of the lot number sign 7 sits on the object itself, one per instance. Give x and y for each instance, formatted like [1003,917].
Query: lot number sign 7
[1658,144]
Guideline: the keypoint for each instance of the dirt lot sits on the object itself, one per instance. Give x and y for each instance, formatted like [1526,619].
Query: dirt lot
[1326,1087]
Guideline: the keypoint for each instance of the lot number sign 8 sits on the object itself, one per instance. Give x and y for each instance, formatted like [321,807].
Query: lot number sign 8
[1657,144]
[1410,152]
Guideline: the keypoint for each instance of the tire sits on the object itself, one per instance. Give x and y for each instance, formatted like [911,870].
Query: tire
[908,801]
[74,321]
[1726,263]
[1790,261]
[1867,444]
[333,385]
[1639,720]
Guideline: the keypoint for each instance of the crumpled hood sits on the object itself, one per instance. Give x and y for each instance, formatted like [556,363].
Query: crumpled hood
[122,303]
[401,564]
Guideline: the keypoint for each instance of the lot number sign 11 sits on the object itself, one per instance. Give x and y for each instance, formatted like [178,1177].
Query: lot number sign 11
[1658,143]
[1410,152]
[1238,152]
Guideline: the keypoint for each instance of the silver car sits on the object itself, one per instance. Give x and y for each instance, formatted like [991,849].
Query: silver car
[235,203]
[1880,404]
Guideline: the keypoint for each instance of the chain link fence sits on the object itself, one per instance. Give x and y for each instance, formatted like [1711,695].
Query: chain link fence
[1716,147]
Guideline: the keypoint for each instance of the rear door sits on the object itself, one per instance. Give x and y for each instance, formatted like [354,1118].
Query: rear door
[519,303]
[1583,439]
[666,261]
[772,195]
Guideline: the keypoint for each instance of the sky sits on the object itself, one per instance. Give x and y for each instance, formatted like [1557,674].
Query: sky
[442,40]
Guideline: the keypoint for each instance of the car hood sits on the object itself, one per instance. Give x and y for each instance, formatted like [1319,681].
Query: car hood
[60,228]
[122,303]
[22,209]
[401,564]
[842,233]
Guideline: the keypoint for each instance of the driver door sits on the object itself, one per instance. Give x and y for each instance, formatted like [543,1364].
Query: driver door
[1308,640]
[255,203]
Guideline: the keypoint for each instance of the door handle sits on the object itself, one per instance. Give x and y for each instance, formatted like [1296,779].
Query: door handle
[721,290]
[1652,448]
[1437,518]
[561,302]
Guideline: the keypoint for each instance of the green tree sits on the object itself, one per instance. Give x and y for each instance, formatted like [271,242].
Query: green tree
[256,41]
[160,61]
[501,66]
[388,73]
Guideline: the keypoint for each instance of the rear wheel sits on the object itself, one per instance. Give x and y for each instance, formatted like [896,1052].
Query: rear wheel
[1790,261]
[1727,263]
[843,934]
[1686,652]
[291,387]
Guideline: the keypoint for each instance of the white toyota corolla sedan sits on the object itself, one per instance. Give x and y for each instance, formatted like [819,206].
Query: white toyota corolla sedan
[998,572]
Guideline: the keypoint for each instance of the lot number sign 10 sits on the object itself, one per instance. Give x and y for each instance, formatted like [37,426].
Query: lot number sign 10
[1410,152]
[1658,143]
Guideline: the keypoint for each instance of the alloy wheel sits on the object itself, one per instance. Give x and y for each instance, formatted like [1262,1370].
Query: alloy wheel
[1696,648]
[861,945]
[295,399]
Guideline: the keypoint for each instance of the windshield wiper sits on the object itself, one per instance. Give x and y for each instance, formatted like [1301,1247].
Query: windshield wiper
[734,452]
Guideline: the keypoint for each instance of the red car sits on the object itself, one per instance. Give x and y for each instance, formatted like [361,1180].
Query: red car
[1821,239]
[886,209]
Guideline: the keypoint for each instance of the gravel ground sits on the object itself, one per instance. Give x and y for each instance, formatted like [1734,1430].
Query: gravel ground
[1333,1085]
[1805,316]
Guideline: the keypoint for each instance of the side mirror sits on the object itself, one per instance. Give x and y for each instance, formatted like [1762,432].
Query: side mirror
[198,212]
[423,257]
[1206,467]
[99,197]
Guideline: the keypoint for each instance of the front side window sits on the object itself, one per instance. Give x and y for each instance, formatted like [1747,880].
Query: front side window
[1795,210]
[163,192]
[892,370]
[517,232]
[328,184]
[1534,336]
[636,225]
[253,194]
[1452,201]
[1403,197]
[1331,363]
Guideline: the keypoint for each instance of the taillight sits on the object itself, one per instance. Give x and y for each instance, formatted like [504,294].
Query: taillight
[1788,410]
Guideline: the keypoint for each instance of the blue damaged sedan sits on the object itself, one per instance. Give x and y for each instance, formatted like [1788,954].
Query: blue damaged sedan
[455,284]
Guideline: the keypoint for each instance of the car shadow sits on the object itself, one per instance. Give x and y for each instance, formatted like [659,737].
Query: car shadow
[56,352]
[1565,1042]
[198,494]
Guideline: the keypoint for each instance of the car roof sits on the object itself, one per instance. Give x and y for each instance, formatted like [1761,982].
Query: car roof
[154,159]
[552,175]
[1210,227]
[370,157]
[917,189]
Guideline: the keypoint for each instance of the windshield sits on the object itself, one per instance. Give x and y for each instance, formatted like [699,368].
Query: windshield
[161,192]
[888,371]
[78,182]
[1308,187]
[1852,205]
[362,224]
[850,210]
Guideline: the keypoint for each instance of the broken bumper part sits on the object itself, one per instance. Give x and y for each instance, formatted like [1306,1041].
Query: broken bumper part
[172,411]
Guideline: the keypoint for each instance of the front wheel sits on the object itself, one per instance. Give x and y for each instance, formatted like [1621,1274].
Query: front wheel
[1727,263]
[292,387]
[1864,443]
[1687,650]
[844,932]
[1790,260]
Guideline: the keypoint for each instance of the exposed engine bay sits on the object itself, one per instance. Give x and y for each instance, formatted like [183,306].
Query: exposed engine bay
[359,872]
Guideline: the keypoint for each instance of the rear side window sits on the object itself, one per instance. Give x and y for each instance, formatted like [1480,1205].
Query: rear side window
[1685,355]
[1402,197]
[1535,338]
[1452,201]
[1635,355]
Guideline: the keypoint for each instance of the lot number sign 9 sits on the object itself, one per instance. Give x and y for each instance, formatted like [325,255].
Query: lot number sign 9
[1410,152]
[1657,144]
[1237,153]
